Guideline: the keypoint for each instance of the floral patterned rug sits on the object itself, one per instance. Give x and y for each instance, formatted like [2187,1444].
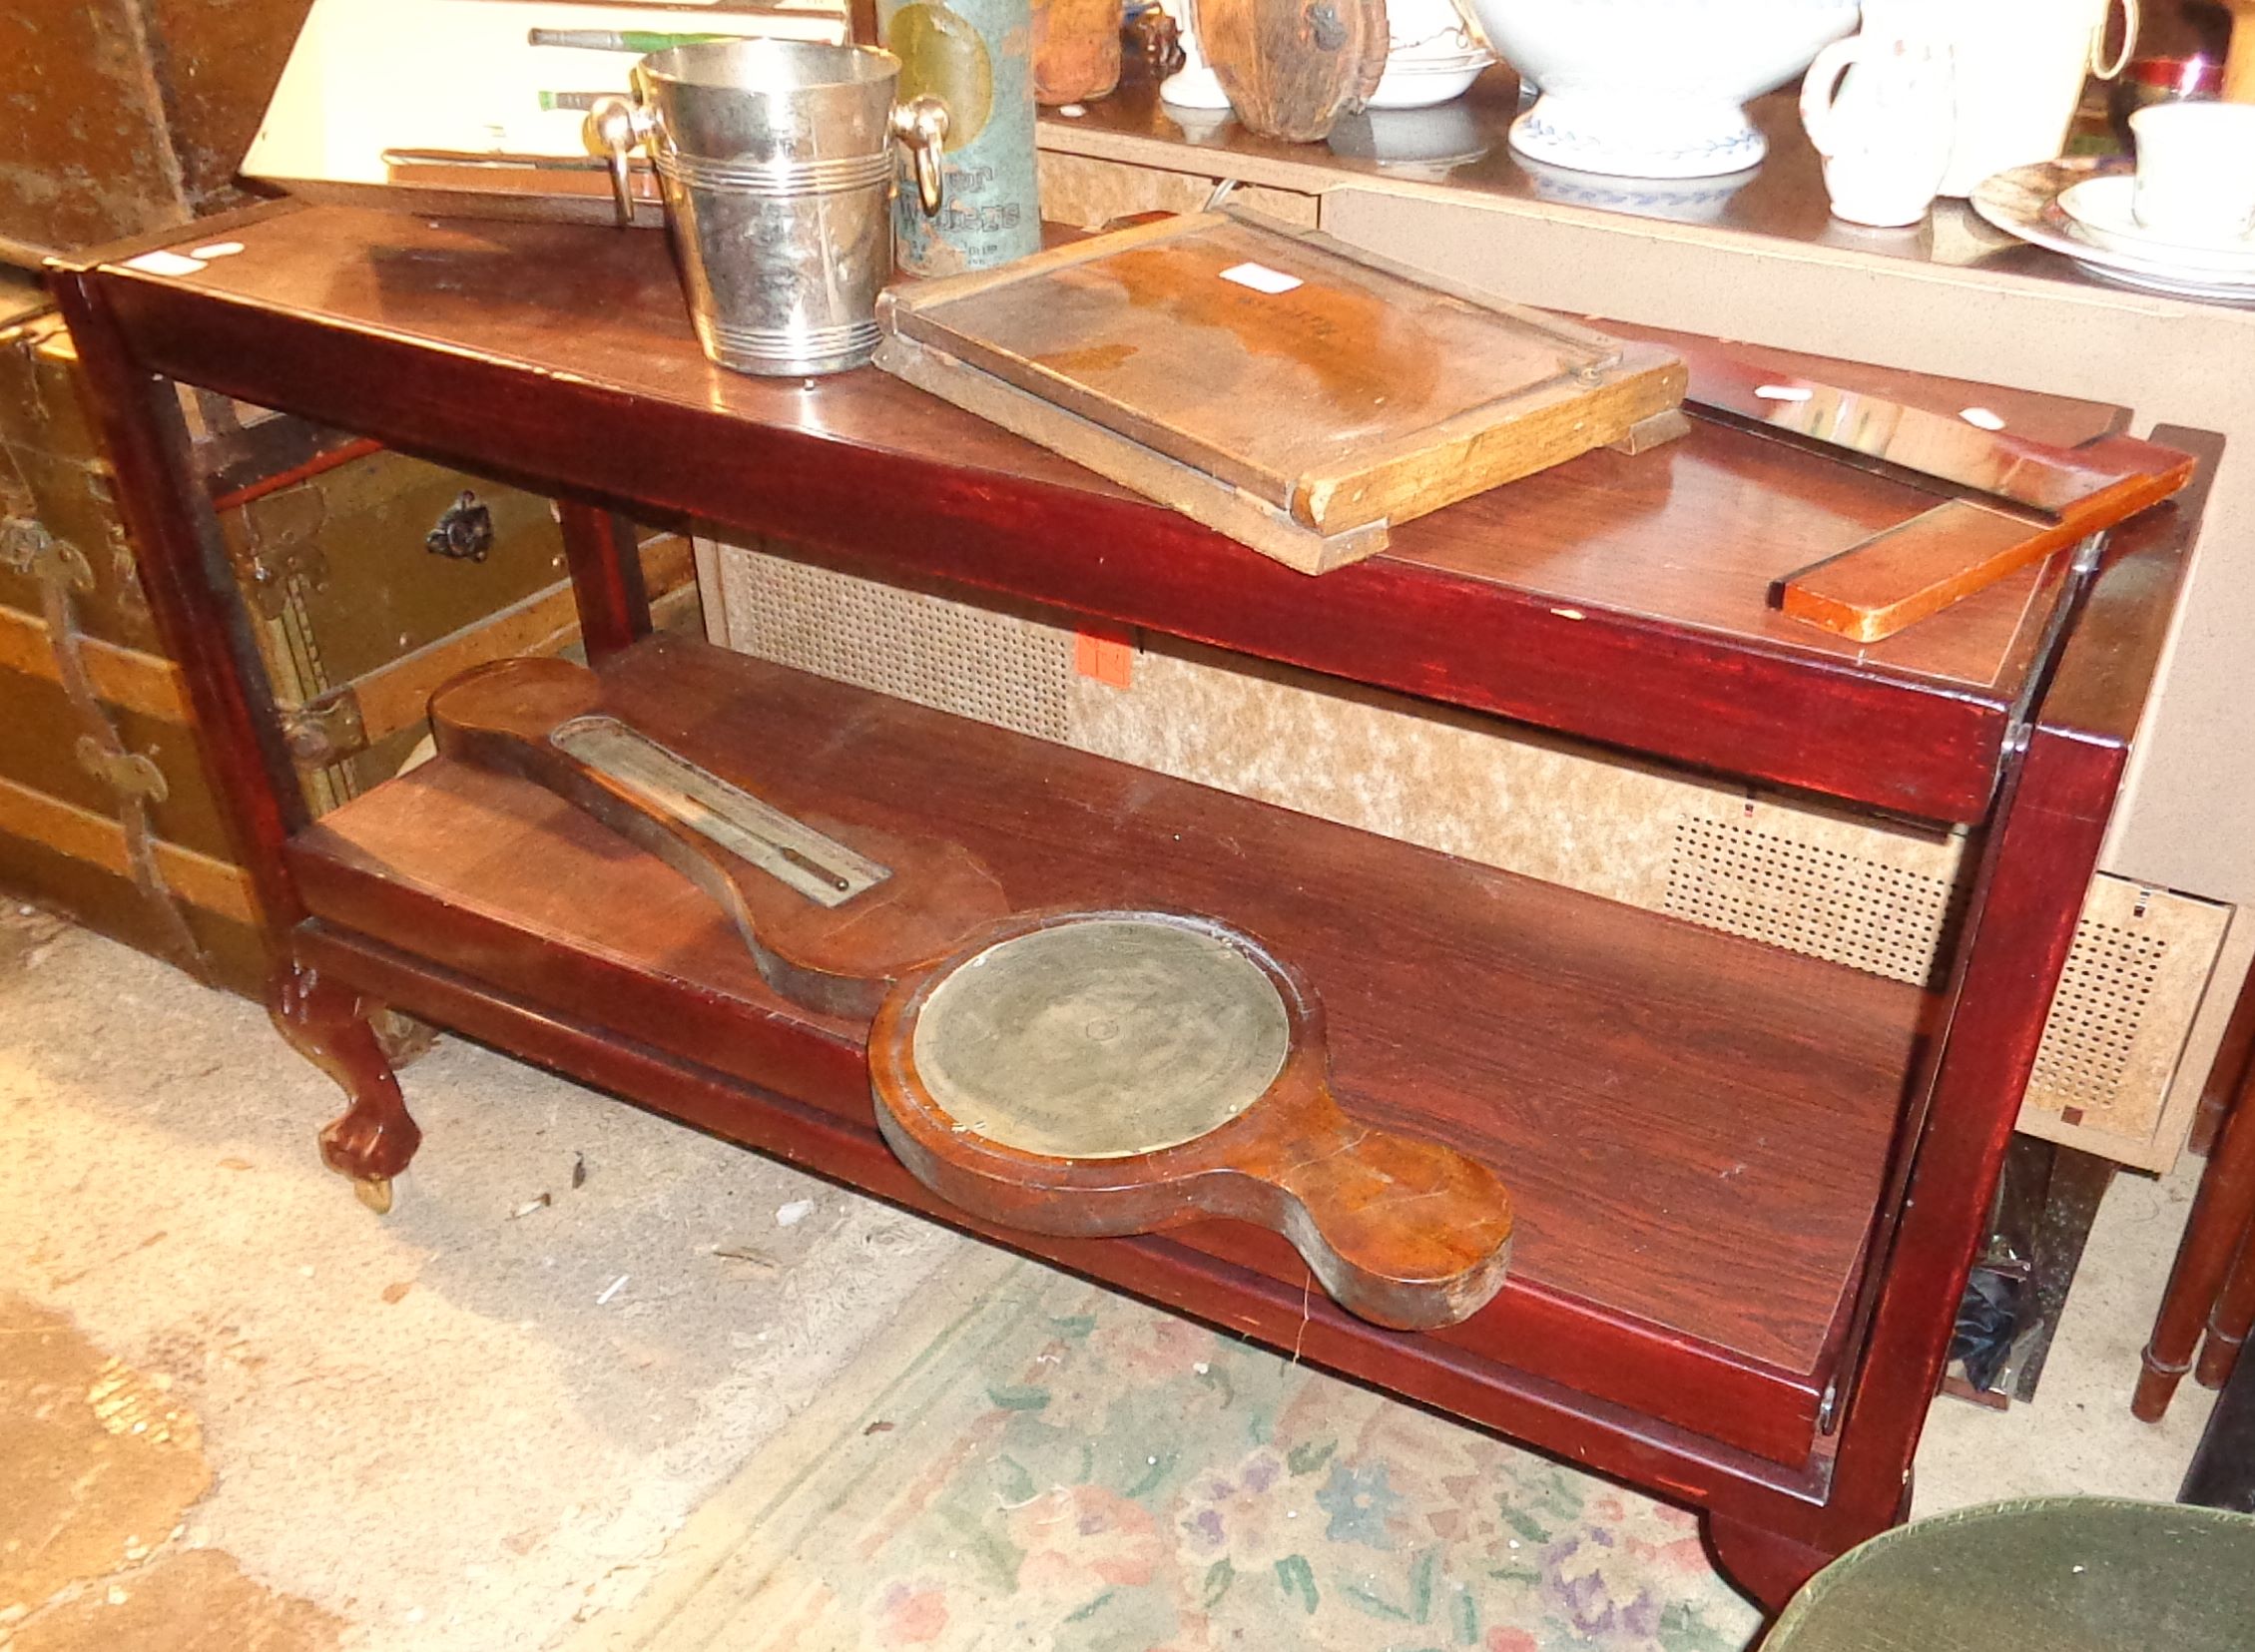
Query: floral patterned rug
[1050,1465]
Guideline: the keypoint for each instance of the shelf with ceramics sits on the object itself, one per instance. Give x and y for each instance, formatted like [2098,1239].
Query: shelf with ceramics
[1646,89]
[1433,55]
[1184,123]
[1654,89]
[1932,101]
[1463,146]
[2086,210]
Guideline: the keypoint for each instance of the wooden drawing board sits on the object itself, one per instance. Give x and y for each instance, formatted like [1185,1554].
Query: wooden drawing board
[1215,353]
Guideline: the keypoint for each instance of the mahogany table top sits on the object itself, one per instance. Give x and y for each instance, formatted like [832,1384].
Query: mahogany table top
[434,333]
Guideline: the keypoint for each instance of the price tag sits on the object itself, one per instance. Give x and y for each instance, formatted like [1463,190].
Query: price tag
[166,264]
[1260,278]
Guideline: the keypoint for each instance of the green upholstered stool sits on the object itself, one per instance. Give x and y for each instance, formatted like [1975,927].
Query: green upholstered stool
[2046,1574]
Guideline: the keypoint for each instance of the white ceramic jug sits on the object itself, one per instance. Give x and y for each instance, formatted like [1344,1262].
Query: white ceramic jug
[1880,107]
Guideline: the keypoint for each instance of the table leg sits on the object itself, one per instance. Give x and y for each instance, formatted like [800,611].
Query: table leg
[1765,1564]
[193,597]
[606,569]
[328,1023]
[2221,1212]
[2035,868]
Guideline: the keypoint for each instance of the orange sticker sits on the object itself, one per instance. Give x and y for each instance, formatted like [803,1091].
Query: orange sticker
[1104,656]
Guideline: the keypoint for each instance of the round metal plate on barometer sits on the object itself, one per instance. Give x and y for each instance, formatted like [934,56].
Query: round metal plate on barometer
[1102,1039]
[1101,1073]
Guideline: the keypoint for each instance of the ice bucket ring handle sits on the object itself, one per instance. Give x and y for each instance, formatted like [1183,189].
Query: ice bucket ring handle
[612,128]
[921,124]
[615,126]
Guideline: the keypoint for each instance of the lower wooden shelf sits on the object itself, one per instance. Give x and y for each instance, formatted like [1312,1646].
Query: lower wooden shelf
[1695,1127]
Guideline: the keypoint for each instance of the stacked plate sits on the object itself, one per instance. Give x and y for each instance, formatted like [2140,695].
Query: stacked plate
[2098,212]
[1432,57]
[2071,207]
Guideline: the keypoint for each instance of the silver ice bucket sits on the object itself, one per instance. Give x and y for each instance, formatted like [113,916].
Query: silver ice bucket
[776,164]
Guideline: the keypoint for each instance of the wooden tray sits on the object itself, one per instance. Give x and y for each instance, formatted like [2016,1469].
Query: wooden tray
[1289,392]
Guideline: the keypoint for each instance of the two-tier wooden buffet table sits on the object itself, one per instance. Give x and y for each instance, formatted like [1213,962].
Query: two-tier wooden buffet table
[1749,1183]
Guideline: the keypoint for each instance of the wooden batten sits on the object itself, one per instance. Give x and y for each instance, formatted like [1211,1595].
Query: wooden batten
[122,676]
[200,879]
[398,696]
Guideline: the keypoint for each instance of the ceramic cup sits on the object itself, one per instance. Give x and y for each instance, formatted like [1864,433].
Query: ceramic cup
[1878,107]
[2020,72]
[2195,170]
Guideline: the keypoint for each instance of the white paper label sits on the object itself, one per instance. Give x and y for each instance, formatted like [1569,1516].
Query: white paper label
[220,250]
[1260,278]
[166,264]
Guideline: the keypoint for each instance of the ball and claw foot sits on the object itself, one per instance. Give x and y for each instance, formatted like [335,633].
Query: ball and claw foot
[328,1023]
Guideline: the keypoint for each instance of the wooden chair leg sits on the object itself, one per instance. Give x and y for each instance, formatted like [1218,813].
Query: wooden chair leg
[2229,1324]
[2221,1216]
[2235,1057]
[328,1023]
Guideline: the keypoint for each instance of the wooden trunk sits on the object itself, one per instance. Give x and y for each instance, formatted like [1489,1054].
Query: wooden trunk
[357,617]
[123,116]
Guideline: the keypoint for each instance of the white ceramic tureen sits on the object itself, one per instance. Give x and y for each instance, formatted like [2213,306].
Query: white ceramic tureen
[1654,88]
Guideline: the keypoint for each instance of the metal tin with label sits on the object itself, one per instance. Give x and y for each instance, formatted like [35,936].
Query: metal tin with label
[976,57]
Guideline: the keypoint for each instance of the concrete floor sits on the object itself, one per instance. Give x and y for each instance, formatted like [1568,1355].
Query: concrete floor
[457,1427]
[477,1421]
